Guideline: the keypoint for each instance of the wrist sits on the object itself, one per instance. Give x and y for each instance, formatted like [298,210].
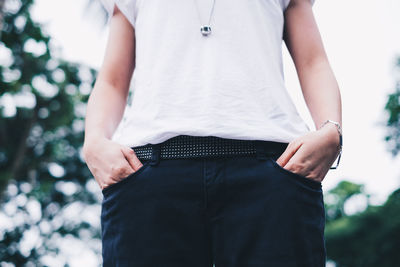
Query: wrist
[93,139]
[338,139]
[332,133]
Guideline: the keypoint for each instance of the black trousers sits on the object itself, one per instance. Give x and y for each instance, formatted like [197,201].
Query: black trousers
[241,211]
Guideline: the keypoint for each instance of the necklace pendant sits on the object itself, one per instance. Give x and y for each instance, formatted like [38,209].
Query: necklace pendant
[205,30]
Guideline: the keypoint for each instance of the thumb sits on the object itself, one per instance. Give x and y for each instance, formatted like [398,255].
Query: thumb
[288,153]
[131,157]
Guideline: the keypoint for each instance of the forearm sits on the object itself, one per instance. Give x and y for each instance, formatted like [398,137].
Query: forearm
[318,84]
[104,112]
[321,92]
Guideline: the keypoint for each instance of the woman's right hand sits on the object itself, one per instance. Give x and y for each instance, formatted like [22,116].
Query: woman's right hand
[108,161]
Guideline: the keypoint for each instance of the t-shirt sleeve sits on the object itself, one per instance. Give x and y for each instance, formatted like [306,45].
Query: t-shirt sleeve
[127,7]
[286,3]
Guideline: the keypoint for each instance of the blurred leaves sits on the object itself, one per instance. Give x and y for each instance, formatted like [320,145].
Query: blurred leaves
[392,108]
[336,198]
[42,173]
[370,237]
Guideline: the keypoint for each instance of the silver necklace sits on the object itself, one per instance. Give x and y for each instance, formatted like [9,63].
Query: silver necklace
[205,29]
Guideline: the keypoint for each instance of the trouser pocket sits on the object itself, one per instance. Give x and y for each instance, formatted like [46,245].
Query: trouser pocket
[124,181]
[312,184]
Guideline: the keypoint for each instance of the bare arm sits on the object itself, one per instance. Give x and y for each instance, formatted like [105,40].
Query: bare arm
[318,84]
[313,154]
[107,101]
[109,161]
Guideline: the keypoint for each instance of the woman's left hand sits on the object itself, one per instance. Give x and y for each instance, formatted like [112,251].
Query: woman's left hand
[312,154]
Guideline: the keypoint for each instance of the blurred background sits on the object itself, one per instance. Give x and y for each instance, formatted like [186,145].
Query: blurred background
[50,52]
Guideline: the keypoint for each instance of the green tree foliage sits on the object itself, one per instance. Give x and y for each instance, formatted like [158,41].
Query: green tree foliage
[369,239]
[42,174]
[372,237]
[392,108]
[337,197]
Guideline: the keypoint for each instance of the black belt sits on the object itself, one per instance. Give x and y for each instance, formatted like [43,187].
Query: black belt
[188,146]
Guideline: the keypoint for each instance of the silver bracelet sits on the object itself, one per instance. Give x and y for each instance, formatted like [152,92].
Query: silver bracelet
[339,129]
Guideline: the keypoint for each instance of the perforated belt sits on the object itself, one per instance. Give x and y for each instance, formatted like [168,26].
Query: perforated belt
[187,146]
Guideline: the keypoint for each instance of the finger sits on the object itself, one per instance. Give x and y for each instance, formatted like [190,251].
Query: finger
[288,153]
[300,162]
[131,157]
[125,171]
[120,171]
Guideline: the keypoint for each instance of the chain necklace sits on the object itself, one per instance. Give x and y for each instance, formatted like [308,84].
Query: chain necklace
[205,29]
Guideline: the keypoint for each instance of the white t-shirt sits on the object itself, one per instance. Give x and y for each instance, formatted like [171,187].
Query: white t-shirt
[229,84]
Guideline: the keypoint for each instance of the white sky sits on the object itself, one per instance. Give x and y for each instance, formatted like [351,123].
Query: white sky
[361,40]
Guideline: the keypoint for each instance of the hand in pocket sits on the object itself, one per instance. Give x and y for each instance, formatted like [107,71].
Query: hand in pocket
[312,154]
[109,162]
